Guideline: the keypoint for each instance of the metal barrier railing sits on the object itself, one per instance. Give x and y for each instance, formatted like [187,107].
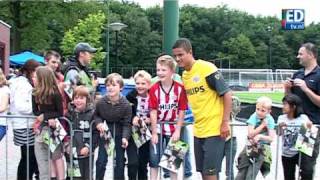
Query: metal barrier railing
[71,144]
[28,128]
[71,131]
[113,158]
[91,150]
[278,144]
[232,125]
[28,117]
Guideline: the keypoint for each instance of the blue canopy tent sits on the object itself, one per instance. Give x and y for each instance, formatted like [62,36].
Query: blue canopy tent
[21,58]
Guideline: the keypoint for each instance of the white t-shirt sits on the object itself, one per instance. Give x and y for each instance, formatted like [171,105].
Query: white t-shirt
[290,134]
[4,90]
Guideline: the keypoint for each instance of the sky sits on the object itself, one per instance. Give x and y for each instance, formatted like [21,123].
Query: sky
[254,7]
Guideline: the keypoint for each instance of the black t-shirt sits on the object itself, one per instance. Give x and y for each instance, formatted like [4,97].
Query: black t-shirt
[313,82]
[49,111]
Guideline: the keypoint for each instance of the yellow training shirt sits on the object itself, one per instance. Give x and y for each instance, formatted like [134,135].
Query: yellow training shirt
[206,103]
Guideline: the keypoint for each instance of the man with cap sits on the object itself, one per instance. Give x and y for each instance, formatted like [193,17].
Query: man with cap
[75,69]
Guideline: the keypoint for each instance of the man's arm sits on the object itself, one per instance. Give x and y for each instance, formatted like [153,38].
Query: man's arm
[227,107]
[315,98]
[217,83]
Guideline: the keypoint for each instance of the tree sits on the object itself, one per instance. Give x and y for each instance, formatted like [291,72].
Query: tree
[39,26]
[155,18]
[261,55]
[27,24]
[138,45]
[281,55]
[145,45]
[240,51]
[87,30]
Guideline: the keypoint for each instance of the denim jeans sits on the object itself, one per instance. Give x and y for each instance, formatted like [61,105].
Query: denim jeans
[118,167]
[187,161]
[102,161]
[3,131]
[155,154]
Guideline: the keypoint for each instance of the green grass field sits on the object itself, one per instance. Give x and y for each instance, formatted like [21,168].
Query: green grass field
[251,97]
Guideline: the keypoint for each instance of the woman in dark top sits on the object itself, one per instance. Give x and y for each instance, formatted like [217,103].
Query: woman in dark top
[47,105]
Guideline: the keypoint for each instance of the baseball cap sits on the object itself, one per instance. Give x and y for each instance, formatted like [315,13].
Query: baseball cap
[84,47]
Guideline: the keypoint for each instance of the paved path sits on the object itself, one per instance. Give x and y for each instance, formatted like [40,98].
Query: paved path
[13,157]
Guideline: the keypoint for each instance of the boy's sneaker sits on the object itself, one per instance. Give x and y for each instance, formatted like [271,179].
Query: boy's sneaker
[187,175]
[166,175]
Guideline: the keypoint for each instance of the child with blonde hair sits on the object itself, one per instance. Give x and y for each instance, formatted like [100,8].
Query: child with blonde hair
[139,99]
[257,154]
[167,102]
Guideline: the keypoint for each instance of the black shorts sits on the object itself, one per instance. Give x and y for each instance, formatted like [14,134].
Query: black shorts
[209,154]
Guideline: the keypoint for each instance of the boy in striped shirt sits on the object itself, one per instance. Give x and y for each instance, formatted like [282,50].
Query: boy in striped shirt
[167,103]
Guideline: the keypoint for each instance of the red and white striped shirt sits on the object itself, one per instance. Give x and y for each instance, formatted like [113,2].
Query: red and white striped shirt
[168,104]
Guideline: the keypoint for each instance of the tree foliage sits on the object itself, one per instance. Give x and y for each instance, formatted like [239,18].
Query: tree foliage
[237,49]
[88,30]
[39,26]
[215,33]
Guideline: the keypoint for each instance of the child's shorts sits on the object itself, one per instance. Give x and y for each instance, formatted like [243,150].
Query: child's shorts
[155,153]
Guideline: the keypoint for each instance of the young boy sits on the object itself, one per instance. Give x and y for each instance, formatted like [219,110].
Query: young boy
[257,154]
[167,103]
[139,98]
[115,110]
[81,115]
